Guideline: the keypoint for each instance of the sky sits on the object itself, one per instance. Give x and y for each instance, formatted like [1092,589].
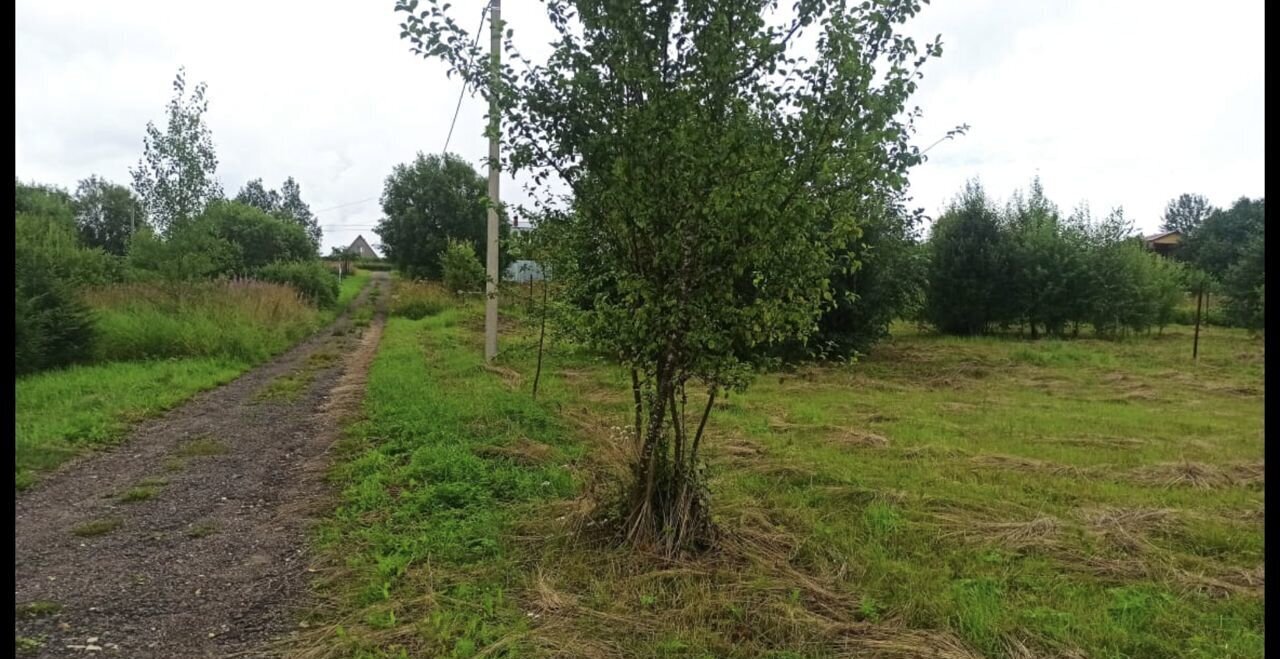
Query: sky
[1114,104]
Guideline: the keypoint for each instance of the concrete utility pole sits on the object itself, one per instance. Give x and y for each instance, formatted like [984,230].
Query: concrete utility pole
[491,252]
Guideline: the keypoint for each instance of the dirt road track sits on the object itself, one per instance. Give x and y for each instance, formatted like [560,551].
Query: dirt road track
[213,564]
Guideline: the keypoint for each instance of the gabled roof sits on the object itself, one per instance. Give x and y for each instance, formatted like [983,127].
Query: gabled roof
[1158,236]
[361,245]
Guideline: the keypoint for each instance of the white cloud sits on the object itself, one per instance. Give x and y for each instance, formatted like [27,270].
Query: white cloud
[1117,103]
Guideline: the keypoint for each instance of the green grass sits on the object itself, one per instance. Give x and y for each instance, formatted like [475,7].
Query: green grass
[417,496]
[38,609]
[202,529]
[97,527]
[348,290]
[138,494]
[61,413]
[1100,497]
[202,447]
[25,645]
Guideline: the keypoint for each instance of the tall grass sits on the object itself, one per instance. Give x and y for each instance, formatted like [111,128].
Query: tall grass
[418,299]
[242,319]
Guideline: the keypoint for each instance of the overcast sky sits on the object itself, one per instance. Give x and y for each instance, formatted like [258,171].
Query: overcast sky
[1114,103]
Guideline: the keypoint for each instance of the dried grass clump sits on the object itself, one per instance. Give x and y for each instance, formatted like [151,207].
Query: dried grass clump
[891,642]
[858,439]
[1127,528]
[1039,533]
[1183,474]
[1019,463]
[1232,581]
[524,451]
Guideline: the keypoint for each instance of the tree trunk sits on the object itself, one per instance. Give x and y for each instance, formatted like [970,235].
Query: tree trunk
[667,508]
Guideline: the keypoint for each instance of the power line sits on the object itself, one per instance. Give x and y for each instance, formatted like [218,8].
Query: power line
[463,91]
[353,203]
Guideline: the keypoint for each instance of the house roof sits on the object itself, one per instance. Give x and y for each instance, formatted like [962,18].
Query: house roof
[360,244]
[1166,234]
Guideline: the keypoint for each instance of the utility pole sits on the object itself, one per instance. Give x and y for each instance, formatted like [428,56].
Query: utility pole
[491,252]
[1195,347]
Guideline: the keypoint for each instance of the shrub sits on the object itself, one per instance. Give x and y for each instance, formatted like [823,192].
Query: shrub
[1244,285]
[310,278]
[966,265]
[415,300]
[52,327]
[460,268]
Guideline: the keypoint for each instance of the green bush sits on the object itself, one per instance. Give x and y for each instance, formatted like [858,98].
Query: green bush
[461,268]
[311,279]
[967,260]
[52,327]
[229,238]
[374,266]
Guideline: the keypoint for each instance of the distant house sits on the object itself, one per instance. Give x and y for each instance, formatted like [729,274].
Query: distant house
[1163,243]
[362,249]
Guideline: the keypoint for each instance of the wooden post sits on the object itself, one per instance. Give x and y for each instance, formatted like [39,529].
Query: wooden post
[1195,346]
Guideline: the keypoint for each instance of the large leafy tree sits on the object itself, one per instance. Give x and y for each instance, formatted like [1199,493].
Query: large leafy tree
[255,194]
[1046,270]
[107,214]
[879,277]
[1223,237]
[427,203]
[714,174]
[1231,246]
[175,177]
[297,211]
[287,204]
[1186,213]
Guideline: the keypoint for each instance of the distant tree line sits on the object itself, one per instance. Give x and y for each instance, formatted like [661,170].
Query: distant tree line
[1029,267]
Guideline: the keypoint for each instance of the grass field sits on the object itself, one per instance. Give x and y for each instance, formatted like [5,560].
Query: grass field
[207,336]
[961,497]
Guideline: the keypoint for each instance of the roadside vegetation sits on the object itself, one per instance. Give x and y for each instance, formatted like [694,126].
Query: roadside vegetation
[130,300]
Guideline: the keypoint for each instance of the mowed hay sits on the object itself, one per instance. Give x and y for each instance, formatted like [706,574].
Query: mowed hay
[1127,528]
[1040,532]
[1019,463]
[524,451]
[1199,475]
[857,438]
[1097,442]
[889,642]
[1233,581]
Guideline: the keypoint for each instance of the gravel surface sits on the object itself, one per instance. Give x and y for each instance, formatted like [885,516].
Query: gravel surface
[214,563]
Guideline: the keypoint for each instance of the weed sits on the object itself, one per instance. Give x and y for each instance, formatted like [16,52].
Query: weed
[97,527]
[202,529]
[38,609]
[202,447]
[138,494]
[27,644]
